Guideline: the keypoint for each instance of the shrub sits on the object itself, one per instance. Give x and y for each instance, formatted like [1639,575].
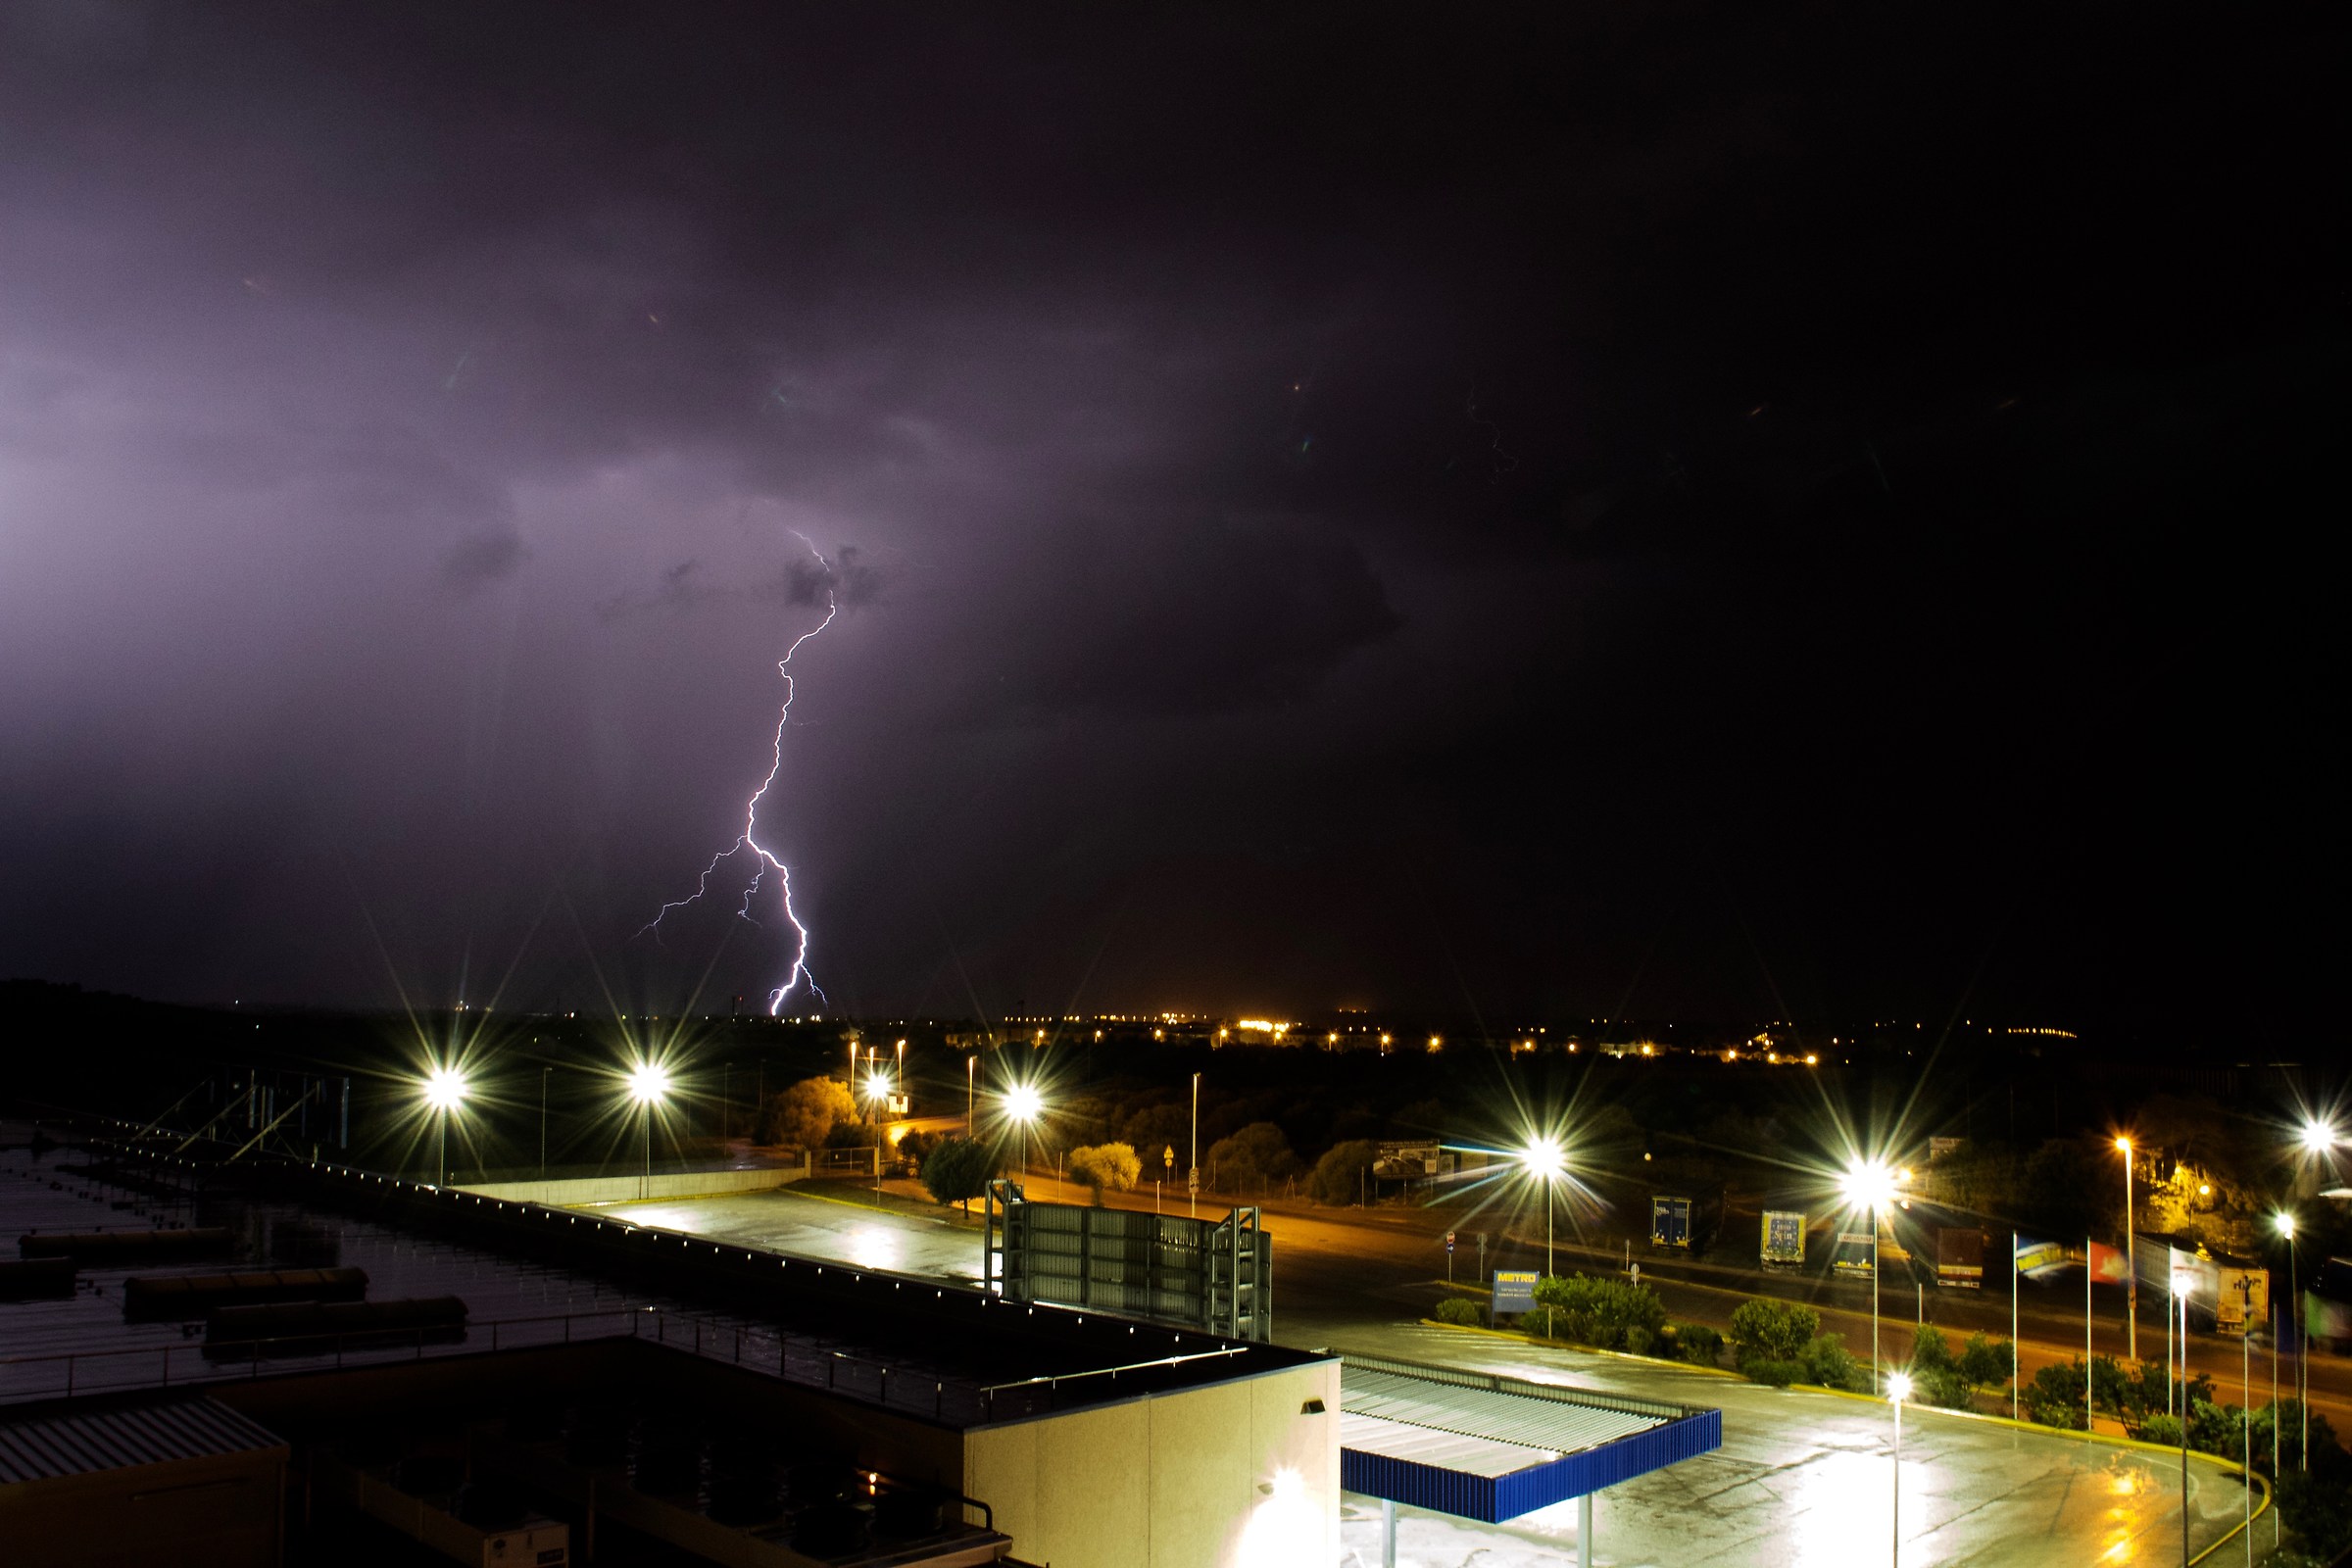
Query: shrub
[1599,1313]
[1335,1179]
[1779,1374]
[1696,1342]
[1772,1331]
[1944,1387]
[1639,1340]
[1929,1353]
[1460,1311]
[1828,1362]
[2160,1428]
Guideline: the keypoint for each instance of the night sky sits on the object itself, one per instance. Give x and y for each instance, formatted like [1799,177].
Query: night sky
[1484,512]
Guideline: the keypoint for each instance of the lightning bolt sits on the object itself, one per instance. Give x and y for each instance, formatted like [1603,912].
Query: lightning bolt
[749,838]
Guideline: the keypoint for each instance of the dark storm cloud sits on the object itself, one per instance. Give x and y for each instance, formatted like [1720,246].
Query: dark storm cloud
[484,558]
[1554,447]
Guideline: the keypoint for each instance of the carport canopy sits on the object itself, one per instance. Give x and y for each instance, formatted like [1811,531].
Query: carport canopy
[1484,1447]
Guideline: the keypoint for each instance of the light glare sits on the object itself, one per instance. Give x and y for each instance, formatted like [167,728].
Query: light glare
[648,1083]
[445,1088]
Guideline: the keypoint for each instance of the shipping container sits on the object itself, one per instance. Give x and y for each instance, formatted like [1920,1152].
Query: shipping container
[1784,1240]
[1670,1222]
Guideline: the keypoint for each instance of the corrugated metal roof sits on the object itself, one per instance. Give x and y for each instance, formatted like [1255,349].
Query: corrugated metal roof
[1455,1450]
[87,1442]
[1533,1423]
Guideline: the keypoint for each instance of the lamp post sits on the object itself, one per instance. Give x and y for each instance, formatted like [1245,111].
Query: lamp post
[971,1092]
[1192,1171]
[1542,1157]
[1898,1388]
[648,1085]
[445,1092]
[543,1073]
[2131,1262]
[878,1093]
[1869,1184]
[2183,1284]
[2294,1307]
[1023,1105]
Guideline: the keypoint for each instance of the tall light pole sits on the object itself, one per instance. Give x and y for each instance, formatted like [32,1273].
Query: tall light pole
[1869,1184]
[543,1073]
[445,1092]
[1023,1105]
[2183,1284]
[2131,1262]
[1542,1157]
[877,1092]
[1191,1172]
[1898,1388]
[2294,1307]
[648,1085]
[971,1092]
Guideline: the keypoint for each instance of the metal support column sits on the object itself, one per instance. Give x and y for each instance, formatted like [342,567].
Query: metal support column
[1388,1534]
[1584,1531]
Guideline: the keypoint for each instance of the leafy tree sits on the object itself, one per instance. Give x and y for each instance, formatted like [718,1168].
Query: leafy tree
[1105,1167]
[1335,1177]
[1931,1352]
[1985,1361]
[957,1170]
[807,1113]
[1772,1331]
[1258,1155]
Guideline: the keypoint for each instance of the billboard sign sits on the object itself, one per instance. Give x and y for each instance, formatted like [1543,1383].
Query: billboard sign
[1670,1222]
[2044,1261]
[2245,1299]
[1514,1290]
[1857,1255]
[1405,1161]
[1784,1240]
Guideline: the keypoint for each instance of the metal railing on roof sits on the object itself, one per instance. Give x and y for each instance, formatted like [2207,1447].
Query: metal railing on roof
[788,1357]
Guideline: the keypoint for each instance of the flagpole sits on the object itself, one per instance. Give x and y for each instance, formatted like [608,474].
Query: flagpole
[2089,1409]
[2017,1368]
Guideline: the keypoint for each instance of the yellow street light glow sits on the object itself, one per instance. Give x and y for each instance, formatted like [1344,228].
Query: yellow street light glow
[1869,1184]
[878,1084]
[445,1088]
[1023,1104]
[1899,1386]
[648,1083]
[2124,1144]
[2286,1226]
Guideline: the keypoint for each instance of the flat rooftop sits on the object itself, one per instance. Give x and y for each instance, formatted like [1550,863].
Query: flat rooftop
[533,1275]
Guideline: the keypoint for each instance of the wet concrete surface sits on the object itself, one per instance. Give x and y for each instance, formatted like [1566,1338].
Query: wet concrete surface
[1803,1477]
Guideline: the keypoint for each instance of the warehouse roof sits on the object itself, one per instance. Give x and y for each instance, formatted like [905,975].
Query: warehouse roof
[85,1441]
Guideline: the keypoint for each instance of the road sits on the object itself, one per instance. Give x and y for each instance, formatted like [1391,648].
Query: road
[1802,1479]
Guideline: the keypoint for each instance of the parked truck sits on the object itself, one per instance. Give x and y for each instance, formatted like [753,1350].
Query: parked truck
[1783,1239]
[1670,1222]
[1959,1257]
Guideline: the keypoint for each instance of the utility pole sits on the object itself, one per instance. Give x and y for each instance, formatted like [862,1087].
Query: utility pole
[1192,1170]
